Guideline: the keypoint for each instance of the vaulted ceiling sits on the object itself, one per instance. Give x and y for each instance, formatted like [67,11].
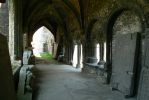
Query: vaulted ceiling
[73,19]
[52,14]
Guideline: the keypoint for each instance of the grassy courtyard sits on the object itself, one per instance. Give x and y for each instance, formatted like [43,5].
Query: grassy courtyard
[44,55]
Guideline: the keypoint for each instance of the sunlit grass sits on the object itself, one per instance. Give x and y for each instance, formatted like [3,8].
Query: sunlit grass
[44,55]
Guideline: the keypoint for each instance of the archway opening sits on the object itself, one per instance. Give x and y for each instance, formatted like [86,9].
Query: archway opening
[43,43]
[124,51]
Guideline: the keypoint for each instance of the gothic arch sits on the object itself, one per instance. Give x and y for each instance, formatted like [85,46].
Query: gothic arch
[115,14]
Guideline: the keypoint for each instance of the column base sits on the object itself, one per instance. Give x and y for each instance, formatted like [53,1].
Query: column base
[78,66]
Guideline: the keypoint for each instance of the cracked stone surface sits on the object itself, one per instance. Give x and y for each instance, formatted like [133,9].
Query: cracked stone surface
[63,82]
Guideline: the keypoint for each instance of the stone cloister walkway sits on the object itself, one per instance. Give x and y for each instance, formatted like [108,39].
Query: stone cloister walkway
[63,82]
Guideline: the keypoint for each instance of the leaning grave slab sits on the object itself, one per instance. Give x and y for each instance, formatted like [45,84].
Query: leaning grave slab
[7,91]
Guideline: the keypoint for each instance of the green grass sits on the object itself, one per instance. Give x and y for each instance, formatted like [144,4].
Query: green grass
[44,55]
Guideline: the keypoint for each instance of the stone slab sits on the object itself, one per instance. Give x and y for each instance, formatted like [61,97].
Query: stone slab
[7,91]
[22,91]
[123,69]
[26,55]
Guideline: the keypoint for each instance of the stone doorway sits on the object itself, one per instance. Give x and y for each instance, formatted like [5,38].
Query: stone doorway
[124,52]
[44,42]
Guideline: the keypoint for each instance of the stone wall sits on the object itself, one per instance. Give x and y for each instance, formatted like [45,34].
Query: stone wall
[132,25]
[4,19]
[15,29]
[7,91]
[116,16]
[102,10]
[96,15]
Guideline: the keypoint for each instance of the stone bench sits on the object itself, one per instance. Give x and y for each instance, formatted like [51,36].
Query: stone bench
[99,69]
[90,65]
[97,66]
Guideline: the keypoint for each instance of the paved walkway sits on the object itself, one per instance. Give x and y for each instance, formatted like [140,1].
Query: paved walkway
[63,82]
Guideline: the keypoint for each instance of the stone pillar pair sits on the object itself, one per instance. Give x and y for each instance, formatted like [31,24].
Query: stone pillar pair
[89,50]
[69,54]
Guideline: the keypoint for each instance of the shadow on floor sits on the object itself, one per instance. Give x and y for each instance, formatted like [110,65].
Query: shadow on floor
[63,82]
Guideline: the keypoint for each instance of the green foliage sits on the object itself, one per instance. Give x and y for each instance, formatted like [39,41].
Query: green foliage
[14,67]
[44,55]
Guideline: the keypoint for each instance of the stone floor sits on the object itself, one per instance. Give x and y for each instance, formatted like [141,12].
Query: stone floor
[63,82]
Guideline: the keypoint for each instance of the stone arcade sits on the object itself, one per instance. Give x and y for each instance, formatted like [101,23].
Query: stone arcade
[120,64]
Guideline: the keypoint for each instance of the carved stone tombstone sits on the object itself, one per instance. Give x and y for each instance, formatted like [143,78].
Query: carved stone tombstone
[143,93]
[7,91]
[26,56]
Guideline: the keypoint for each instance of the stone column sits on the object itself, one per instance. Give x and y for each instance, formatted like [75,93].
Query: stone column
[18,30]
[90,49]
[101,50]
[11,30]
[79,56]
[84,52]
[66,54]
[69,53]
